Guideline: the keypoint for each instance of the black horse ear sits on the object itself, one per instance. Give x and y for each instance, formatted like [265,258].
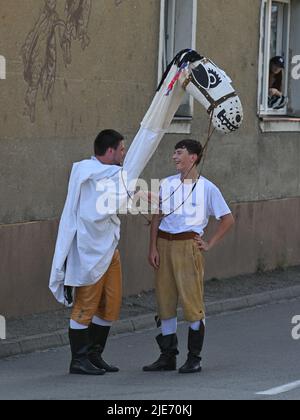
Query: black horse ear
[201,76]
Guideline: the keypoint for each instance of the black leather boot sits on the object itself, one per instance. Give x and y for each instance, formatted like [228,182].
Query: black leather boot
[80,344]
[98,339]
[167,361]
[195,345]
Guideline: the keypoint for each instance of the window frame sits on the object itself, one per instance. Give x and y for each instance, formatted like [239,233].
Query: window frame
[180,124]
[265,57]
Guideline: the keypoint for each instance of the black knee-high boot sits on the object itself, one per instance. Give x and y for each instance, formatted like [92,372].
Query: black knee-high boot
[98,338]
[167,361]
[80,346]
[195,345]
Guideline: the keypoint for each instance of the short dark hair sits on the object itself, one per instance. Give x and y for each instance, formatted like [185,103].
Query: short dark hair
[194,147]
[105,140]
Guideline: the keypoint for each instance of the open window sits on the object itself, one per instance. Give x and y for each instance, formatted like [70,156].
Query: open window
[279,40]
[275,37]
[177,32]
[294,82]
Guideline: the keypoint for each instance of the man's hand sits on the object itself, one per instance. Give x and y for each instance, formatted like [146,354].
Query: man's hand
[202,245]
[223,227]
[68,291]
[154,259]
[275,92]
[146,199]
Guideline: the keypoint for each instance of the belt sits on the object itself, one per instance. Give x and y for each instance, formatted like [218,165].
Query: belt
[185,236]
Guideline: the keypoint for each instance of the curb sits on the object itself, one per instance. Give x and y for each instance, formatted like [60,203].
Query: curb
[60,338]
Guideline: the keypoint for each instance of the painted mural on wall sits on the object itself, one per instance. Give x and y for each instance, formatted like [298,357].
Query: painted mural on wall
[50,34]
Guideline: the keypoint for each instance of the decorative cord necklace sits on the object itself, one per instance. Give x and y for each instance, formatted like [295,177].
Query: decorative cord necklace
[203,157]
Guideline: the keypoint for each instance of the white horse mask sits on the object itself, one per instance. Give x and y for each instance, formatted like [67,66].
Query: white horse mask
[210,86]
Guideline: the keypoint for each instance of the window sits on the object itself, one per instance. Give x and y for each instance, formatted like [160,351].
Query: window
[280,37]
[294,82]
[275,37]
[177,32]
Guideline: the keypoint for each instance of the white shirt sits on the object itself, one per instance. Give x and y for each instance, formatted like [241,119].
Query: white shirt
[200,203]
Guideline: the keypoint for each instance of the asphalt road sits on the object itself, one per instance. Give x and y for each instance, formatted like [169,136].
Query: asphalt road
[246,352]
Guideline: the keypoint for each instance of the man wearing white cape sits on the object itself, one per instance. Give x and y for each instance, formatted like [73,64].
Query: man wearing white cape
[86,256]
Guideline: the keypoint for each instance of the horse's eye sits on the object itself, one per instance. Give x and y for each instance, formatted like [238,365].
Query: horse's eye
[215,79]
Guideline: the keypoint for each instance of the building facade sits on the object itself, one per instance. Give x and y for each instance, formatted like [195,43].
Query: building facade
[69,69]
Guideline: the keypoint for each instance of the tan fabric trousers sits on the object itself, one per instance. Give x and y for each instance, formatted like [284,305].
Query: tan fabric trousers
[180,278]
[103,299]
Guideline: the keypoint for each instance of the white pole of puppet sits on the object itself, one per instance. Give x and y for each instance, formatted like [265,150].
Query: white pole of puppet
[165,104]
[154,125]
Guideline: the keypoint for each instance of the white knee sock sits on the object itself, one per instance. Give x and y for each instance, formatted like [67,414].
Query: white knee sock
[196,325]
[169,326]
[101,322]
[75,326]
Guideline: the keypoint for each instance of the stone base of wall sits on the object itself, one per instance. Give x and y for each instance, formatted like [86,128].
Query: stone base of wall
[266,237]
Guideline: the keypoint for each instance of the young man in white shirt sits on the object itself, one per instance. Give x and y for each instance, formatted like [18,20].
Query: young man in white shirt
[176,253]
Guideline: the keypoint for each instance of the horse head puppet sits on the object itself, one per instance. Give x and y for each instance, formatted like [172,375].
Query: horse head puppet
[210,86]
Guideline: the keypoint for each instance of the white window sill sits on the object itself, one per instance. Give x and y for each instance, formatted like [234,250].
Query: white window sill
[279,124]
[181,126]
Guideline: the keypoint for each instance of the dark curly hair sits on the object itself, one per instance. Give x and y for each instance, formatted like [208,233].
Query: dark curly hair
[194,147]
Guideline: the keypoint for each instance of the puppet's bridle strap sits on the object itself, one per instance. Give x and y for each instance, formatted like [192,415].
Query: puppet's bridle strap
[213,104]
[187,81]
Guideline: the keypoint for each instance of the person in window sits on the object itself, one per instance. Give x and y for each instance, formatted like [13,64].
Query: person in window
[276,98]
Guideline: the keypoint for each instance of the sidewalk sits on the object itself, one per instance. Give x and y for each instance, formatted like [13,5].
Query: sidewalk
[43,331]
